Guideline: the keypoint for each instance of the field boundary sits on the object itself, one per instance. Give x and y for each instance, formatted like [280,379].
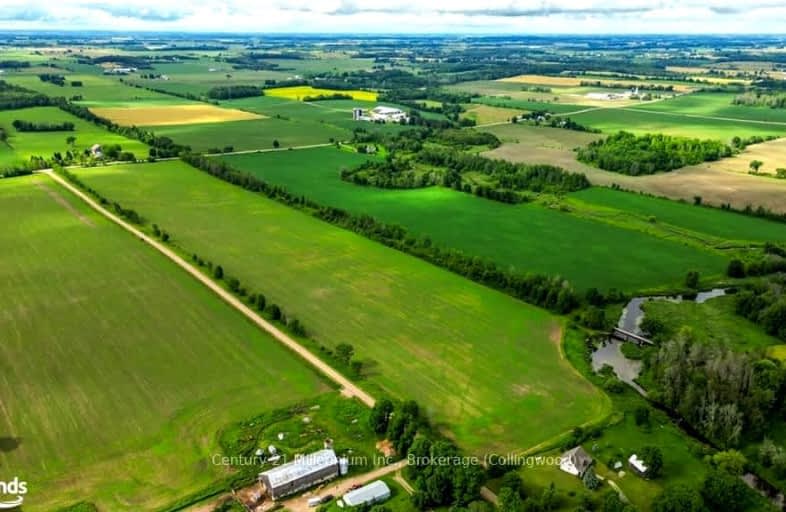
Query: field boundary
[348,388]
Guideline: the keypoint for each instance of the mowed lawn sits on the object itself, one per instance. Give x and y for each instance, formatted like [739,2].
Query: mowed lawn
[527,237]
[715,222]
[20,146]
[117,369]
[484,365]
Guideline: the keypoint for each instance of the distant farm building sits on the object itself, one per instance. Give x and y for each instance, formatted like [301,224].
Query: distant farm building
[304,472]
[380,114]
[95,150]
[375,492]
[637,465]
[575,461]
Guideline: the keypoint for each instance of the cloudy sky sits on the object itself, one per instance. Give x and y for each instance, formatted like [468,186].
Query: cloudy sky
[389,16]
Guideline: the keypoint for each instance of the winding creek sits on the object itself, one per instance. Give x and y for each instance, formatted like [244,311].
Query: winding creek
[628,370]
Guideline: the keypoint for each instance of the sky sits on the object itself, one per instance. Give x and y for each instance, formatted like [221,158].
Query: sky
[400,16]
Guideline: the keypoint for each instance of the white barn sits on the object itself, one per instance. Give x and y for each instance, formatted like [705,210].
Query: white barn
[380,114]
[304,472]
[374,492]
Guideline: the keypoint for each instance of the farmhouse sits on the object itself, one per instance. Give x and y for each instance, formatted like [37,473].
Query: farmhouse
[302,473]
[637,465]
[575,461]
[380,114]
[374,492]
[96,151]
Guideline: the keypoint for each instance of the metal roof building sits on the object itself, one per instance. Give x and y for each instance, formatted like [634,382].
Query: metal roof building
[302,473]
[372,493]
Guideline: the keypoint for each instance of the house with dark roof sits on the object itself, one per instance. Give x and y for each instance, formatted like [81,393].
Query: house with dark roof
[575,461]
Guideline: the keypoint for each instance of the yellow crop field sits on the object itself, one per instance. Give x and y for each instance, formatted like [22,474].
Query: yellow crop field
[172,115]
[301,92]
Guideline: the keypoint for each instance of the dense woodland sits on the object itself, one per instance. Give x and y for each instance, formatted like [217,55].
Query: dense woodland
[761,99]
[634,155]
[228,92]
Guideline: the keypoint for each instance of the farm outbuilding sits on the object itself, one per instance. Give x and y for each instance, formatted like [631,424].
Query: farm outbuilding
[303,472]
[374,492]
[575,461]
[638,465]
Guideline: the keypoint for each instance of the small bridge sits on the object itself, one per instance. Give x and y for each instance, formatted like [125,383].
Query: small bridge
[622,334]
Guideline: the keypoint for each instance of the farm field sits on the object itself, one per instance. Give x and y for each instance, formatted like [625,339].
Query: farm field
[485,114]
[727,225]
[96,90]
[172,115]
[421,330]
[253,134]
[527,237]
[300,92]
[717,105]
[642,119]
[102,340]
[20,146]
[525,143]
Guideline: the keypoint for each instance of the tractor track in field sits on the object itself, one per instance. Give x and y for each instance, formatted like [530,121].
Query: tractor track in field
[348,388]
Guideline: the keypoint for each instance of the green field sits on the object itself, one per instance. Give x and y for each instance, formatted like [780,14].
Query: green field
[20,146]
[717,105]
[252,134]
[714,322]
[645,119]
[96,91]
[116,368]
[728,225]
[528,237]
[483,365]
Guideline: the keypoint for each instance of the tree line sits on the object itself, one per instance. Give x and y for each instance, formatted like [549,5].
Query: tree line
[626,153]
[128,214]
[52,78]
[31,126]
[228,92]
[14,97]
[760,99]
[553,293]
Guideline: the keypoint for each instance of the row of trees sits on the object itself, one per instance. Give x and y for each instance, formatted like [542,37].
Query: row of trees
[128,214]
[553,293]
[634,155]
[228,92]
[14,97]
[760,99]
[52,78]
[31,126]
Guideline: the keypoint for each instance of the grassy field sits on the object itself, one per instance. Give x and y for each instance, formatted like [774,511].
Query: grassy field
[484,365]
[120,408]
[484,114]
[528,237]
[172,115]
[717,105]
[299,92]
[20,146]
[645,119]
[253,134]
[728,225]
[525,143]
[96,90]
[712,321]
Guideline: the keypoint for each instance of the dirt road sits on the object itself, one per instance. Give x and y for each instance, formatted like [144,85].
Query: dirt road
[348,387]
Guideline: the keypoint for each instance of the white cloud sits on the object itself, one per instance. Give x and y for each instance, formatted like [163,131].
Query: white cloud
[509,16]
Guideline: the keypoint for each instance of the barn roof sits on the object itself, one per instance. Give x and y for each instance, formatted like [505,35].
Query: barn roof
[377,490]
[301,467]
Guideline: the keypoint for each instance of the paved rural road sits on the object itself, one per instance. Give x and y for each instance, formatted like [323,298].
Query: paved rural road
[348,387]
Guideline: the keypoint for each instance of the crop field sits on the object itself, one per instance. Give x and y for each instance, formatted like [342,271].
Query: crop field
[485,114]
[540,145]
[106,405]
[727,225]
[20,146]
[253,134]
[484,365]
[643,119]
[96,90]
[527,237]
[570,81]
[172,115]
[299,92]
[717,105]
